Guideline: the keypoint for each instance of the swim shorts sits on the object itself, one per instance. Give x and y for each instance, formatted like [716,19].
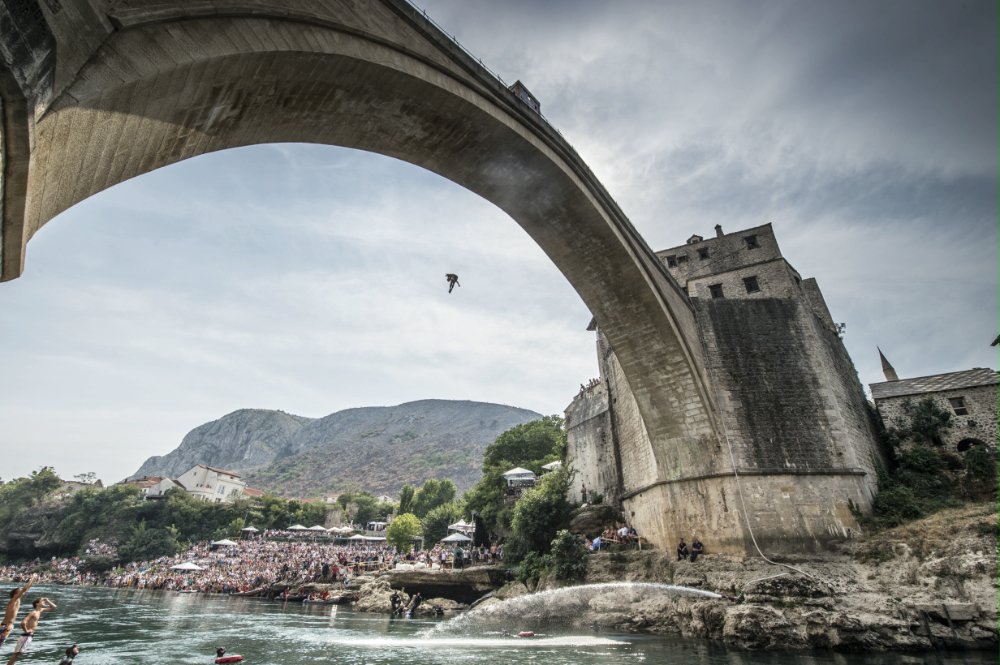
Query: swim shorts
[22,643]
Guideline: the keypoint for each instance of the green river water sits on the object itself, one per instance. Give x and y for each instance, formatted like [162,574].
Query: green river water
[119,627]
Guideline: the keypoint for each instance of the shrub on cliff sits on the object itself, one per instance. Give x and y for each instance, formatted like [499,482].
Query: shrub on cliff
[569,556]
[539,515]
[980,479]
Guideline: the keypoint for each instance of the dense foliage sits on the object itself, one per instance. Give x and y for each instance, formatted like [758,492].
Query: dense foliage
[435,523]
[142,529]
[566,561]
[24,493]
[406,499]
[530,446]
[927,422]
[539,514]
[433,493]
[924,476]
[402,531]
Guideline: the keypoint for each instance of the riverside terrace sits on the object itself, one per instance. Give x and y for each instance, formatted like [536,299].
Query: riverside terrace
[248,565]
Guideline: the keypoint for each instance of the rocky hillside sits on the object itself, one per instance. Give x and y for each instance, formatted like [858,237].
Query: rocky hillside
[377,449]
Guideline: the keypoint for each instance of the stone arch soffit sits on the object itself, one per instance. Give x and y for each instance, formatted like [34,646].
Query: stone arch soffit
[143,110]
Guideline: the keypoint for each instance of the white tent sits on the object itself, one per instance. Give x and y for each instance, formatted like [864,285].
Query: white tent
[225,542]
[462,526]
[297,527]
[552,466]
[457,538]
[187,565]
[248,529]
[358,537]
[317,527]
[518,477]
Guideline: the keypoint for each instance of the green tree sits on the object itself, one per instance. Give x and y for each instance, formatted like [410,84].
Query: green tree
[147,543]
[926,422]
[432,494]
[435,523]
[980,479]
[539,514]
[406,499]
[402,531]
[536,443]
[529,445]
[569,556]
[23,493]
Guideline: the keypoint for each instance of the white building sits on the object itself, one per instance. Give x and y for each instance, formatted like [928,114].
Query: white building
[211,484]
[160,488]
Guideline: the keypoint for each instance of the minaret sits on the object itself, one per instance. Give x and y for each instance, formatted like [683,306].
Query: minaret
[890,373]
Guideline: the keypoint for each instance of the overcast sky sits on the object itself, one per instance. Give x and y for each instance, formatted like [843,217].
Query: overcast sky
[310,278]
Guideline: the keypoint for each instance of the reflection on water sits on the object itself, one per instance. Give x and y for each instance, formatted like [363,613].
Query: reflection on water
[117,627]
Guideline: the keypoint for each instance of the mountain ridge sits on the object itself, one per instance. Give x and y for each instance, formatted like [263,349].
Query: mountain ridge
[377,448]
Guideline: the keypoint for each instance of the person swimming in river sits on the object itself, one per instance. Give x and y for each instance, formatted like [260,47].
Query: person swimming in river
[452,281]
[70,653]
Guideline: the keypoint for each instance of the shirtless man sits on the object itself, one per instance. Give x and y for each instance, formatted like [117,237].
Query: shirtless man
[28,625]
[13,607]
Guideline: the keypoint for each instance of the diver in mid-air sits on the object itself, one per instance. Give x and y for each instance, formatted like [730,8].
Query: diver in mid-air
[452,281]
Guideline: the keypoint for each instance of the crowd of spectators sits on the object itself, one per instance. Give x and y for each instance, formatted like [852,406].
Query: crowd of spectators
[248,565]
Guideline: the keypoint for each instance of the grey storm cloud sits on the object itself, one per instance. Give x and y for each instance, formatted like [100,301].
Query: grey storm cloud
[309,278]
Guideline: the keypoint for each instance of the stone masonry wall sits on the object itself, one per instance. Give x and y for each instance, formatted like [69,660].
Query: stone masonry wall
[590,446]
[777,417]
[776,279]
[980,424]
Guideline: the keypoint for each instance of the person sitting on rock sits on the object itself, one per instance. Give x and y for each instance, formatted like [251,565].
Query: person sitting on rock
[696,548]
[682,550]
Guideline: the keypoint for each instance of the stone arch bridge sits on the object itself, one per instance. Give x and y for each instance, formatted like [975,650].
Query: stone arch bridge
[98,91]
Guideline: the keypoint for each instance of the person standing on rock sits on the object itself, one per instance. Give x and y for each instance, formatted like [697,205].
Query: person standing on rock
[396,601]
[682,550]
[415,603]
[13,607]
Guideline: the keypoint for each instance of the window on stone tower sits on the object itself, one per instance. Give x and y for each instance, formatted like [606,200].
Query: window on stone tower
[751,284]
[682,258]
[715,290]
[672,261]
[958,406]
[703,253]
[751,242]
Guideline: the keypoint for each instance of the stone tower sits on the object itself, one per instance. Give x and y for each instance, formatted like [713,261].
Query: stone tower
[799,445]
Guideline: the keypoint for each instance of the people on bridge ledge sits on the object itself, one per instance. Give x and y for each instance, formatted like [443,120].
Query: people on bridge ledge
[696,548]
[452,281]
[682,550]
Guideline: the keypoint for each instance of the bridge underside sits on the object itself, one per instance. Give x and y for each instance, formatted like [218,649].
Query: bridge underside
[93,96]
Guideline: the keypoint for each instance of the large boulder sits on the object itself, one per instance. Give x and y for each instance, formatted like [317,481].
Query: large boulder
[591,520]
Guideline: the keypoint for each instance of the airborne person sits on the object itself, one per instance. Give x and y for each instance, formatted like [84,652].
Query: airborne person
[28,625]
[452,281]
[13,607]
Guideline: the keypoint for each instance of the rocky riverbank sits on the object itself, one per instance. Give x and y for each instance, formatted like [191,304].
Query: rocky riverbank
[930,584]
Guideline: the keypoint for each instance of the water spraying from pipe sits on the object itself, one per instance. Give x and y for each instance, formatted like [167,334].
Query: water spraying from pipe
[568,605]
